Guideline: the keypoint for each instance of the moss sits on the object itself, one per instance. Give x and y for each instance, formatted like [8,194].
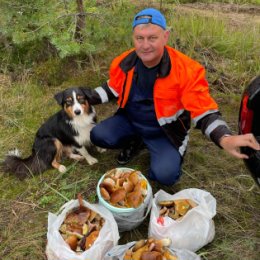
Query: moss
[50,72]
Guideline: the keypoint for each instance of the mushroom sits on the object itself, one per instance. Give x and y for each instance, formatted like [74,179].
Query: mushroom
[72,241]
[108,184]
[134,199]
[138,253]
[118,195]
[138,245]
[153,255]
[192,203]
[128,255]
[134,177]
[182,206]
[169,256]
[166,203]
[104,193]
[173,213]
[128,186]
[163,211]
[91,238]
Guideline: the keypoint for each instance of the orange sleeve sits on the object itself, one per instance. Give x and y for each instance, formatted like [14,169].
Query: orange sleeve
[195,90]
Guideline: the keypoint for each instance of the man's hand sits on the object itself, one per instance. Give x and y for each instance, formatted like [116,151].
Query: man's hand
[232,144]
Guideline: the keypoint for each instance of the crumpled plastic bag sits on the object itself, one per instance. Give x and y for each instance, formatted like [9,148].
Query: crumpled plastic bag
[118,252]
[57,248]
[195,229]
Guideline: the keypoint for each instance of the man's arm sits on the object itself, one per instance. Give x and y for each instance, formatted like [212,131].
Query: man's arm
[99,95]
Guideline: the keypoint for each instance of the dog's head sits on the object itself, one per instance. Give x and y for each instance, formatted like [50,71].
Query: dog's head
[74,102]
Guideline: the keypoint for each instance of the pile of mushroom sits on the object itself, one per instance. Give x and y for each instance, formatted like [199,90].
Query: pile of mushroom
[175,209]
[81,228]
[123,189]
[150,249]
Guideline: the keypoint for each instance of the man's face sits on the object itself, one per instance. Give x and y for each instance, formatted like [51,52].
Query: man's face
[149,41]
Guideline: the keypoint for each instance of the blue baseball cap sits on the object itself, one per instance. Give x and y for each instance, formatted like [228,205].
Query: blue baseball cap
[150,15]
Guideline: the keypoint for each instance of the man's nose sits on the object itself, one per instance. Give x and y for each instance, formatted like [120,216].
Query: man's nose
[146,43]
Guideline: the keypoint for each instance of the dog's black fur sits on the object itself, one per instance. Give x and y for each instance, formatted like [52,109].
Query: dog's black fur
[63,133]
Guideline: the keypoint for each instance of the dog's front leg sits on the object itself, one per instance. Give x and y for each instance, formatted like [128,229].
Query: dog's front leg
[83,151]
[100,150]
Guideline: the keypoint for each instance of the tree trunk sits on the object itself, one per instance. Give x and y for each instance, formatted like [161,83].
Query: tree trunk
[80,22]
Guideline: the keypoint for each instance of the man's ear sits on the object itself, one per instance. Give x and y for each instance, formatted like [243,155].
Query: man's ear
[59,97]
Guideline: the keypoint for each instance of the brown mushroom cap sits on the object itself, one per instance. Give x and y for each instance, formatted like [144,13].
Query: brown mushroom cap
[72,241]
[91,239]
[118,195]
[182,206]
[134,199]
[153,255]
[134,177]
[166,203]
[104,193]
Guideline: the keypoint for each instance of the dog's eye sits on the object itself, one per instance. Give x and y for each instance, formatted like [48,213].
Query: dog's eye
[68,102]
[81,100]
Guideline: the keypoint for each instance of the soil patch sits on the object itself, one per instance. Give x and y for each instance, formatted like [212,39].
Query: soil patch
[236,14]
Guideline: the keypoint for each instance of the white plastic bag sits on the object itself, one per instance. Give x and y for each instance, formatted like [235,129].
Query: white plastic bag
[118,252]
[57,248]
[195,229]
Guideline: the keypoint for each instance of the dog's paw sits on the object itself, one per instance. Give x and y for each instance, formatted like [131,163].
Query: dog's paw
[91,160]
[101,150]
[62,168]
[76,157]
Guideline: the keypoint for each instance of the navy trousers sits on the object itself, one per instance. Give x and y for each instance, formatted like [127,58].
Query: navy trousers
[117,131]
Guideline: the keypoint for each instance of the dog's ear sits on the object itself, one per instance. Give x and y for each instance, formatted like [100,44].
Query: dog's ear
[59,97]
[87,92]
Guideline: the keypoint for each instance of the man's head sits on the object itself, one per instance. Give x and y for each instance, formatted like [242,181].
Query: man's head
[150,15]
[150,36]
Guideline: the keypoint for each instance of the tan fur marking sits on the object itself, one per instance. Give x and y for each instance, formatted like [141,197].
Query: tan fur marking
[57,158]
[86,107]
[69,111]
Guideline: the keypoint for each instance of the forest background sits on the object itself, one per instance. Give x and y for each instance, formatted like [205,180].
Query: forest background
[47,46]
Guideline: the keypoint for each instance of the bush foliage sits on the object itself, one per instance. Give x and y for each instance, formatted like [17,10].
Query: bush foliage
[35,31]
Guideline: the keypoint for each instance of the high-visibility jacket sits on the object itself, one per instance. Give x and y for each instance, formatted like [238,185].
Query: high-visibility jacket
[181,94]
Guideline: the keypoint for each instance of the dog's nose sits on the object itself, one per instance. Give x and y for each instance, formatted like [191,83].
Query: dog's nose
[77,112]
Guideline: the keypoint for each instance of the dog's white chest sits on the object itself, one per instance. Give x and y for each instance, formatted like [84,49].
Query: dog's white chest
[82,125]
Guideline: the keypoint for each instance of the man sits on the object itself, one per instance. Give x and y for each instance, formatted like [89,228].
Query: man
[159,91]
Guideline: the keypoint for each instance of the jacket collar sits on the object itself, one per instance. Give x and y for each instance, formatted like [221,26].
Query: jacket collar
[130,60]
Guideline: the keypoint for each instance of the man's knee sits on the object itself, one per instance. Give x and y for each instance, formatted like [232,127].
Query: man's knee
[99,137]
[95,135]
[166,175]
[103,138]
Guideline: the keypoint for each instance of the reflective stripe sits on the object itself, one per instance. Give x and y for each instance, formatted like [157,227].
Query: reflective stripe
[197,118]
[183,147]
[213,126]
[167,120]
[114,92]
[102,93]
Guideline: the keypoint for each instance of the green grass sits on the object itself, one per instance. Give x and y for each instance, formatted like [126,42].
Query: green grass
[25,105]
[233,49]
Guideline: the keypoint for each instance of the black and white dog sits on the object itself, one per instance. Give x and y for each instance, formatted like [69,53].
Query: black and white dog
[65,133]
